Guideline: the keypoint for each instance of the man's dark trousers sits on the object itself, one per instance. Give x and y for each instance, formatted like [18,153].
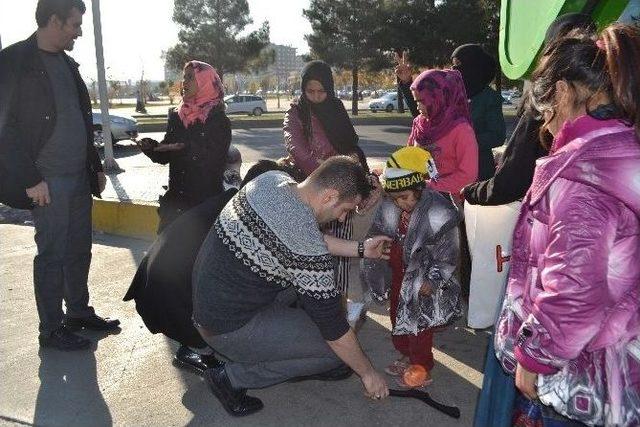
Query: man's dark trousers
[63,237]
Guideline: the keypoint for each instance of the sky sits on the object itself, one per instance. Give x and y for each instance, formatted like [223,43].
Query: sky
[135,32]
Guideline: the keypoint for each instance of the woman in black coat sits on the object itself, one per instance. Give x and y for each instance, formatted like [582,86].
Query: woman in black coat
[195,145]
[514,174]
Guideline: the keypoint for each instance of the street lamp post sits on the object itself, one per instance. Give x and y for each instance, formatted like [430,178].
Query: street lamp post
[110,164]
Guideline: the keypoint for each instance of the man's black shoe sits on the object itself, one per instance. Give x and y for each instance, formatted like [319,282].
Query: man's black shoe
[63,339]
[189,359]
[93,322]
[342,372]
[235,401]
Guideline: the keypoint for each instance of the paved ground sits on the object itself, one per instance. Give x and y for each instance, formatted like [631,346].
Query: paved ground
[128,380]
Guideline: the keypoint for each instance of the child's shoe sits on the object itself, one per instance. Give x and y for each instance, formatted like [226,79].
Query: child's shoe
[397,368]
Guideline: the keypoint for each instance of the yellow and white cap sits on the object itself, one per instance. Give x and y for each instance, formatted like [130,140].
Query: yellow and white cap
[407,168]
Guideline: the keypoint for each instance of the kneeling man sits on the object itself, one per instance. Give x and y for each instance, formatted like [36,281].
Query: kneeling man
[265,240]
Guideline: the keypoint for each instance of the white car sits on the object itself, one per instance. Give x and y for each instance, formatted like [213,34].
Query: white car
[122,127]
[249,104]
[387,102]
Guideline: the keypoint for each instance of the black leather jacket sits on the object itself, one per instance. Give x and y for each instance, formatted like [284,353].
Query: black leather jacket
[27,120]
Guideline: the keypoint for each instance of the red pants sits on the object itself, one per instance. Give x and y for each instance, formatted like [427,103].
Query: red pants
[416,347]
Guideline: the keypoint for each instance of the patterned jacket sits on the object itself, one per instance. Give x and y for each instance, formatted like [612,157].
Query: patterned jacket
[430,254]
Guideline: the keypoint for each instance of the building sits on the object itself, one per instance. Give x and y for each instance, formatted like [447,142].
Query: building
[286,61]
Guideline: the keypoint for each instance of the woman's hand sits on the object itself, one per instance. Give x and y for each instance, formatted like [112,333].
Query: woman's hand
[377,247]
[146,144]
[403,69]
[374,196]
[526,382]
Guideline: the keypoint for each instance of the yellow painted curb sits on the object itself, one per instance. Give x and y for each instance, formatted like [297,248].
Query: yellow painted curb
[129,219]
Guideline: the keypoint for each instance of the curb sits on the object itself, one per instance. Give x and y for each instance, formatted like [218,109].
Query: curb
[138,218]
[131,219]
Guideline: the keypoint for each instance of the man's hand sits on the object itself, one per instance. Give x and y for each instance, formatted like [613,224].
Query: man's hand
[403,69]
[169,147]
[377,247]
[375,385]
[102,182]
[39,194]
[426,289]
[526,382]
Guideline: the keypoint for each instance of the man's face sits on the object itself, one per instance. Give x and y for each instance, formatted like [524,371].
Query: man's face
[333,208]
[66,32]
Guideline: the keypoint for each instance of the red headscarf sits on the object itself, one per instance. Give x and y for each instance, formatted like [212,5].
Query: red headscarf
[210,93]
[442,92]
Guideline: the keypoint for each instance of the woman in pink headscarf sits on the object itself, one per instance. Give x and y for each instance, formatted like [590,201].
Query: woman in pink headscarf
[444,128]
[195,144]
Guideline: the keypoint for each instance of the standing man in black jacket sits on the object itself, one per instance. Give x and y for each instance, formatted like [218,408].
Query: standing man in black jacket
[48,163]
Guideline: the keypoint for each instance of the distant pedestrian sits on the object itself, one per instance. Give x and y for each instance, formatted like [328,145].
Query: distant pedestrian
[140,108]
[195,144]
[49,163]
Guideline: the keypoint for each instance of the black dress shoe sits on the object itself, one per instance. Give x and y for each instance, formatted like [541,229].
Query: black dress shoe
[235,401]
[93,322]
[189,359]
[342,372]
[63,339]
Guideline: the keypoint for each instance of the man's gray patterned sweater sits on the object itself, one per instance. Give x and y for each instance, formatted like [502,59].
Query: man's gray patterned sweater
[265,240]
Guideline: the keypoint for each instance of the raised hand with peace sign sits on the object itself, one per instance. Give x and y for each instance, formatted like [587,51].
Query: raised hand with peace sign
[403,69]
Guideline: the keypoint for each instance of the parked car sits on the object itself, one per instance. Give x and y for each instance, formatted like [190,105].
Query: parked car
[249,104]
[122,127]
[387,102]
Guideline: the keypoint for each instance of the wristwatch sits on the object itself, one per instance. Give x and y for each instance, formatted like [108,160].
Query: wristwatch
[361,249]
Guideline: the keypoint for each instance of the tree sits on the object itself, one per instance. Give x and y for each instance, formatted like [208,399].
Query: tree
[345,35]
[430,30]
[114,90]
[210,31]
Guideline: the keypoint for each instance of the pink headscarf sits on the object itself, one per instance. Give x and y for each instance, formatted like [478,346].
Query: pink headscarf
[210,93]
[442,92]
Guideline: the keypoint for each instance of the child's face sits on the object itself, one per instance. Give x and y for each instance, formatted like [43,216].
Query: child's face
[405,200]
[421,106]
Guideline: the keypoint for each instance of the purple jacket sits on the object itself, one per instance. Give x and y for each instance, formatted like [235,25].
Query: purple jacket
[571,311]
[304,154]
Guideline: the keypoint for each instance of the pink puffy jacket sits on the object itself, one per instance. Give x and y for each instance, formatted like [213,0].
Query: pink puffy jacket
[572,307]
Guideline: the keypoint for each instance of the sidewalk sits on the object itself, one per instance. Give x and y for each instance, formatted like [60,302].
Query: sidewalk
[128,380]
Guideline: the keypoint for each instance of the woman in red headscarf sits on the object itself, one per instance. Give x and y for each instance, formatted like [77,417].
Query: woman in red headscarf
[195,144]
